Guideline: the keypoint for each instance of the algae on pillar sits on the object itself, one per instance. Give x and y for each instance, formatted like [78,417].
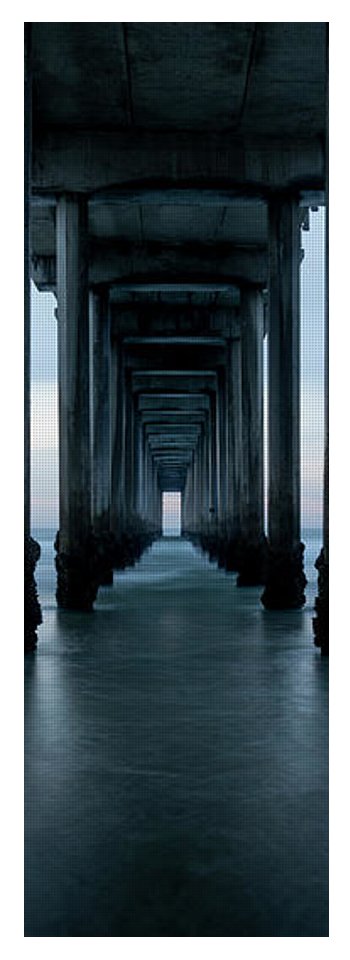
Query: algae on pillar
[285,580]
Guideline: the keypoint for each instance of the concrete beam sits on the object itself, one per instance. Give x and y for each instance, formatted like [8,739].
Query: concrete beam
[155,278]
[177,401]
[173,427]
[182,284]
[147,166]
[173,320]
[170,417]
[171,380]
[174,342]
[110,262]
[182,359]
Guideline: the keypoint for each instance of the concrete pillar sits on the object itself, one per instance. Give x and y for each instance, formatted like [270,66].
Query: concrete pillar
[139,468]
[129,466]
[321,620]
[189,500]
[76,581]
[101,431]
[215,470]
[285,580]
[233,455]
[221,447]
[32,611]
[234,436]
[250,563]
[145,474]
[208,430]
[118,440]
[157,511]
[184,500]
[146,460]
[152,490]
[203,440]
[196,490]
[101,392]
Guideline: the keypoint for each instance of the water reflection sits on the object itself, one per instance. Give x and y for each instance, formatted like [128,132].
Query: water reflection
[176,766]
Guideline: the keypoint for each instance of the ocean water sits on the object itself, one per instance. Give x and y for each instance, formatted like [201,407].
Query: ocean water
[176,758]
[46,575]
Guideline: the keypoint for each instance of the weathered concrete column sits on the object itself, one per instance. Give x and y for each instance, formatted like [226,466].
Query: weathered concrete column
[101,431]
[192,501]
[222,451]
[145,454]
[208,430]
[158,501]
[149,481]
[203,440]
[76,582]
[153,492]
[32,611]
[214,459]
[251,553]
[321,620]
[129,476]
[196,490]
[101,374]
[234,436]
[139,468]
[188,501]
[285,579]
[118,440]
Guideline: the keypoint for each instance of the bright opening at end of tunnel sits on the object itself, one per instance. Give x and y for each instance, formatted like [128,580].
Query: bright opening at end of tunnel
[171,514]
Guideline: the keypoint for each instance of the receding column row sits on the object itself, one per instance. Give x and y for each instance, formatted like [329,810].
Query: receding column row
[109,471]
[96,427]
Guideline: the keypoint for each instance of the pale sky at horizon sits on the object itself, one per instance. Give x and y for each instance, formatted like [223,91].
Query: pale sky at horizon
[44,422]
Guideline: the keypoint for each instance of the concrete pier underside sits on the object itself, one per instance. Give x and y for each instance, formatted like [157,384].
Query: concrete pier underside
[175,761]
[176,730]
[170,172]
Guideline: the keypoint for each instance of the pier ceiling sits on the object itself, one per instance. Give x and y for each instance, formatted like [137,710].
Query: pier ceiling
[178,135]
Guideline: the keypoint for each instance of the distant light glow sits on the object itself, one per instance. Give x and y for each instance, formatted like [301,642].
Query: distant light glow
[171,514]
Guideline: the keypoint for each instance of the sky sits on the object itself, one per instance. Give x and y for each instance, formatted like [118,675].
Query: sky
[44,419]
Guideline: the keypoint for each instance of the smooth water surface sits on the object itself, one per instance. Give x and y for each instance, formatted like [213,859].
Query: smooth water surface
[176,759]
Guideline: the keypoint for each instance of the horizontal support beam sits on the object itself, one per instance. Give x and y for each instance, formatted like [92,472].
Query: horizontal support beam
[169,320]
[146,166]
[44,276]
[182,284]
[191,432]
[170,417]
[172,373]
[185,260]
[173,401]
[186,360]
[110,262]
[169,442]
[174,341]
[170,381]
